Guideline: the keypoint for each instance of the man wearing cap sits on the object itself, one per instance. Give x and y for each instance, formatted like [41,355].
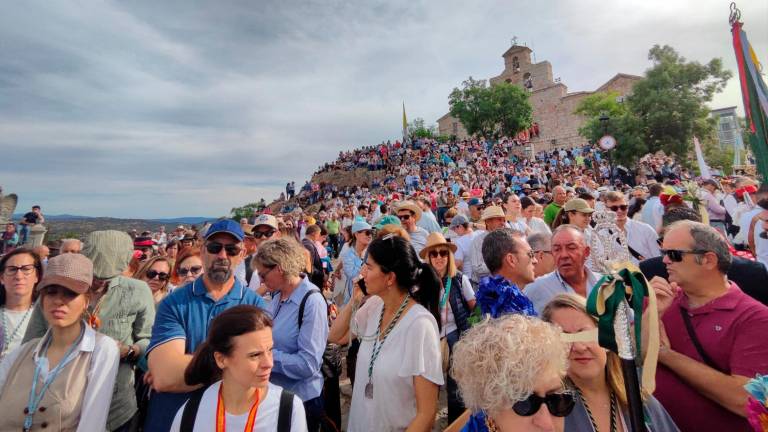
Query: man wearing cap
[461,226]
[475,212]
[121,308]
[559,197]
[570,252]
[409,213]
[265,228]
[494,218]
[184,316]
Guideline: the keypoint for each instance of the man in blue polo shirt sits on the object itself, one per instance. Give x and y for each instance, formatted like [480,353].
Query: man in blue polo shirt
[183,318]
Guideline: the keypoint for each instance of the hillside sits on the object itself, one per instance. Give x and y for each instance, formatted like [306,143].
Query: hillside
[78,226]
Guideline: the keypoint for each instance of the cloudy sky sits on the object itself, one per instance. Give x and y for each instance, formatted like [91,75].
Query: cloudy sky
[188,108]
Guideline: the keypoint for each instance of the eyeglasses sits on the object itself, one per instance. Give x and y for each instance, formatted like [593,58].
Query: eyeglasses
[151,274]
[263,276]
[214,248]
[183,271]
[404,217]
[559,404]
[26,270]
[434,253]
[616,208]
[676,255]
[265,234]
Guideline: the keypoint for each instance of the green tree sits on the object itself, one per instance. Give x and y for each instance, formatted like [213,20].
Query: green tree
[512,110]
[473,107]
[491,112]
[670,102]
[418,129]
[621,124]
[245,211]
[717,157]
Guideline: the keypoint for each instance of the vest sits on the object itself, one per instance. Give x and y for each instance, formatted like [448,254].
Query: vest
[459,306]
[62,403]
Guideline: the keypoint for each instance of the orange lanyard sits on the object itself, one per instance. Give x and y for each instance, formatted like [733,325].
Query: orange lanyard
[221,415]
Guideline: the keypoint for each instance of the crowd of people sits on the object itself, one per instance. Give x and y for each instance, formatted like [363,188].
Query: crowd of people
[460,267]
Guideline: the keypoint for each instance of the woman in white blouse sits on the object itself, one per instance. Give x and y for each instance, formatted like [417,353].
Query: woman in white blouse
[64,380]
[536,224]
[399,367]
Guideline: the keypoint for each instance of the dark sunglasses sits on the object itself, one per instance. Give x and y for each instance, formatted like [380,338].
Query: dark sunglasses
[434,253]
[676,255]
[366,232]
[404,217]
[559,404]
[214,248]
[265,234]
[151,274]
[194,270]
[616,208]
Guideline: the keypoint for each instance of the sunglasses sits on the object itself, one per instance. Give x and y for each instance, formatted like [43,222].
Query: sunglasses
[366,232]
[676,255]
[404,217]
[559,404]
[616,208]
[151,274]
[265,234]
[214,248]
[434,253]
[184,271]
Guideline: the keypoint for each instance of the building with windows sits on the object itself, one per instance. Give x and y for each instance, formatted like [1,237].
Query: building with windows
[728,129]
[557,126]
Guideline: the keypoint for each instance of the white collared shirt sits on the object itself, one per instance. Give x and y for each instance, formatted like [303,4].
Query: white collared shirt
[643,239]
[545,287]
[101,376]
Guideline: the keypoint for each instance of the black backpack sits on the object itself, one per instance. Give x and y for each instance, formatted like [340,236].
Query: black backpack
[190,411]
[317,276]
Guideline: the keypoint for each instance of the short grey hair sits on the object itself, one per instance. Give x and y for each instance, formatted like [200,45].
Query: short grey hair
[709,239]
[496,245]
[73,240]
[284,252]
[570,227]
[498,361]
[540,242]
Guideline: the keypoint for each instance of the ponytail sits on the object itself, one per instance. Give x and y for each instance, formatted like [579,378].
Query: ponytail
[427,290]
[203,368]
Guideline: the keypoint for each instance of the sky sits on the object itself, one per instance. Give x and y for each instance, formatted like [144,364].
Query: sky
[152,109]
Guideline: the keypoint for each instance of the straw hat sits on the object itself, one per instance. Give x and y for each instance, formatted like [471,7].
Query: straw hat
[434,240]
[492,212]
[412,206]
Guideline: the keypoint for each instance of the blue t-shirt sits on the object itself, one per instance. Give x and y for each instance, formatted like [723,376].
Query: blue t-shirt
[186,314]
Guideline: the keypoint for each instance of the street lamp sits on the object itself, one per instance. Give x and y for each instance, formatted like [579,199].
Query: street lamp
[607,142]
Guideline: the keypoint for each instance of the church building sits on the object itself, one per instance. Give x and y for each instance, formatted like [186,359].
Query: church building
[555,124]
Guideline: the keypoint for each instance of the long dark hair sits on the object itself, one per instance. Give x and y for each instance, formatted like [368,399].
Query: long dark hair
[38,269]
[396,255]
[233,322]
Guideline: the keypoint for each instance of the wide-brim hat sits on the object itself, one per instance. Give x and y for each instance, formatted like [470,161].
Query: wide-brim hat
[492,212]
[411,206]
[434,240]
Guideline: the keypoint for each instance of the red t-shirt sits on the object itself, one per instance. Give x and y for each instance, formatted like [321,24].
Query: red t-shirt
[733,331]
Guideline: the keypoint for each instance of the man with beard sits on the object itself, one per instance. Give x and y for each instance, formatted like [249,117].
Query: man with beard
[183,317]
[570,251]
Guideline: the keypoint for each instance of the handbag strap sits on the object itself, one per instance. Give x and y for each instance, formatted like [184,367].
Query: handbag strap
[285,412]
[696,343]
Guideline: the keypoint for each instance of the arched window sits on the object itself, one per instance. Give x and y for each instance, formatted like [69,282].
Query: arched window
[515,64]
[528,81]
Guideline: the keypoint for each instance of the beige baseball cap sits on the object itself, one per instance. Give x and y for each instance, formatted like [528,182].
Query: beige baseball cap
[72,271]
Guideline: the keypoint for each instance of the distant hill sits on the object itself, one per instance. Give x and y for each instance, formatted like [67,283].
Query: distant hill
[62,226]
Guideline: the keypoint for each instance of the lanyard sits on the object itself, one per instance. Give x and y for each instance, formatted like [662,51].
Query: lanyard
[34,397]
[445,294]
[221,415]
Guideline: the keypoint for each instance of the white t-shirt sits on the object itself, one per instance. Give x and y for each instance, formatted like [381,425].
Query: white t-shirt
[411,349]
[16,322]
[463,246]
[446,314]
[538,225]
[266,418]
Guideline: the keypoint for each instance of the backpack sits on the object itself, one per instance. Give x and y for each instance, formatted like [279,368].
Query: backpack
[189,414]
[248,269]
[331,366]
[317,276]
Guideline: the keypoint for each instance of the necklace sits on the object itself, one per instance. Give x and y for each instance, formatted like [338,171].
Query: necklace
[592,417]
[9,336]
[377,344]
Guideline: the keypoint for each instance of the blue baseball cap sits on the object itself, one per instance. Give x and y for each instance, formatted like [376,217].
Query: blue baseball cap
[227,226]
[360,225]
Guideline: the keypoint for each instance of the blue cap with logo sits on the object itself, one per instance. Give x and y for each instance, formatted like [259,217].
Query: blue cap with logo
[227,226]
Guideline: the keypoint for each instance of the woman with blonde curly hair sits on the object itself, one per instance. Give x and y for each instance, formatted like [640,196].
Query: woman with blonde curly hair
[595,374]
[507,368]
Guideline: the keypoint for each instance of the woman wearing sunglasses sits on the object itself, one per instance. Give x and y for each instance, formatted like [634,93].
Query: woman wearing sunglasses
[595,375]
[457,301]
[188,267]
[64,381]
[352,259]
[510,373]
[156,272]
